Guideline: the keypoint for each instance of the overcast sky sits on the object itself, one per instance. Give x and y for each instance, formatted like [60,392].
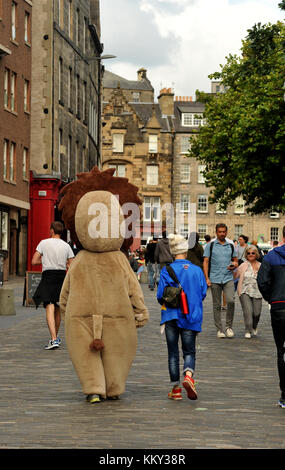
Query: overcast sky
[179,42]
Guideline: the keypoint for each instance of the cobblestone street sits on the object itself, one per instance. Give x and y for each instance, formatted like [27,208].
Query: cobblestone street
[43,407]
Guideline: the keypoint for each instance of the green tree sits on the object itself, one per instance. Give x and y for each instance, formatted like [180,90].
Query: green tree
[243,142]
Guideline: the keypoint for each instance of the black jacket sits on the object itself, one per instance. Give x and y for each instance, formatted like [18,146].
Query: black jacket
[149,252]
[271,278]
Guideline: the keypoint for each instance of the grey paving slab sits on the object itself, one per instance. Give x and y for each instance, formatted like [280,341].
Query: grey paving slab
[42,405]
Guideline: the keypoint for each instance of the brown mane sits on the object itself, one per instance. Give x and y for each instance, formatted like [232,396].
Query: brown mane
[95,180]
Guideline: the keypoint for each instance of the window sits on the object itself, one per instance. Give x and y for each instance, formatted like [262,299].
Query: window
[239,205]
[13,104]
[193,119]
[185,202]
[219,210]
[10,90]
[238,231]
[9,161]
[77,32]
[274,234]
[184,230]
[12,162]
[93,122]
[202,230]
[60,77]
[136,97]
[69,88]
[151,209]
[27,28]
[14,21]
[60,142]
[4,220]
[152,144]
[185,173]
[60,13]
[84,117]
[5,159]
[27,96]
[184,144]
[85,36]
[202,203]
[118,143]
[77,84]
[201,169]
[152,175]
[120,170]
[70,19]
[83,160]
[25,163]
[6,88]
[76,166]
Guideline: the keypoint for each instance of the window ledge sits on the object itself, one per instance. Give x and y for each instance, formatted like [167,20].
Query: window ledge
[13,41]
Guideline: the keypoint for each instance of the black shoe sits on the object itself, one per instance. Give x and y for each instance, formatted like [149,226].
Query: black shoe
[93,398]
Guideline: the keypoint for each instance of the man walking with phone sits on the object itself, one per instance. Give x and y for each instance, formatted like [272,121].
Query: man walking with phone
[220,259]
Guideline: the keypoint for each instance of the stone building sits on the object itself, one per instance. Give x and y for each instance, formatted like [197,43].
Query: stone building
[137,141]
[66,113]
[65,97]
[15,125]
[189,187]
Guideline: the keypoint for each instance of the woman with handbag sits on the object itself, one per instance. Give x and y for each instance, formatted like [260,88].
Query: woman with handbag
[189,278]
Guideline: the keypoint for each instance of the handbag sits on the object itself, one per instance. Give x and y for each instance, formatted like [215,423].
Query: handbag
[175,297]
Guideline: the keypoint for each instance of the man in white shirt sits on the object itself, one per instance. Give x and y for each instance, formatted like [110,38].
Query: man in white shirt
[55,256]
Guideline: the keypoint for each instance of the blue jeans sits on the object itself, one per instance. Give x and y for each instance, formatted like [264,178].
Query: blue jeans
[151,274]
[188,340]
[278,328]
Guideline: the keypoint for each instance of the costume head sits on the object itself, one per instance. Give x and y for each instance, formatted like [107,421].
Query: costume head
[91,209]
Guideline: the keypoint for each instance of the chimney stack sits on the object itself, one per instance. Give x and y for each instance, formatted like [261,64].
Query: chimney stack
[166,101]
[142,74]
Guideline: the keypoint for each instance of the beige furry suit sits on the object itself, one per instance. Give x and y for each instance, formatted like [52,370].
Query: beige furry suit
[101,298]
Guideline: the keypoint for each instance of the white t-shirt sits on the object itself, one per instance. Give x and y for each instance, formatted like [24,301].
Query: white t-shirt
[55,253]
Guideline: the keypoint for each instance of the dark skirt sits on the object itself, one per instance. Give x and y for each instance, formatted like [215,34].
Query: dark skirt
[48,290]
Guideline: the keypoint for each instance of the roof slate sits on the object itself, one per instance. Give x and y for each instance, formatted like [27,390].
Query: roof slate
[111,80]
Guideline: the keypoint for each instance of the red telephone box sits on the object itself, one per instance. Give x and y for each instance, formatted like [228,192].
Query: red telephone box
[44,190]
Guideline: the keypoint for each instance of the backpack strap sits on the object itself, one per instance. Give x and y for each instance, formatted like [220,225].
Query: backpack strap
[211,251]
[172,274]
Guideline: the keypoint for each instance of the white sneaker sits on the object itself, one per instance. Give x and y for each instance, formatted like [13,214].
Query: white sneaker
[254,332]
[247,335]
[229,333]
[221,334]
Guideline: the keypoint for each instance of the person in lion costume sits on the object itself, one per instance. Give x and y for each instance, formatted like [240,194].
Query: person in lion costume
[101,299]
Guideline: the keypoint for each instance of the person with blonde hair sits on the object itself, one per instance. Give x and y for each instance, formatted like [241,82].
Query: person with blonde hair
[248,291]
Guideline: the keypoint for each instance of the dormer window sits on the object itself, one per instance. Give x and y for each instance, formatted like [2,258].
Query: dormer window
[152,146]
[193,119]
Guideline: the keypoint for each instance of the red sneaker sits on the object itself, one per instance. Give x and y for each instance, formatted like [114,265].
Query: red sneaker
[189,385]
[175,394]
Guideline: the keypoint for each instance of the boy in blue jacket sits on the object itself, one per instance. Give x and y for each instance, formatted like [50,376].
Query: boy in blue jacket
[178,324]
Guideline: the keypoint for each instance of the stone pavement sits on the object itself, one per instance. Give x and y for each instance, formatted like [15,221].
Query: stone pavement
[42,405]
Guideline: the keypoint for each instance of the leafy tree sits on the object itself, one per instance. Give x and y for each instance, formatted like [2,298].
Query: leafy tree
[243,142]
[282,5]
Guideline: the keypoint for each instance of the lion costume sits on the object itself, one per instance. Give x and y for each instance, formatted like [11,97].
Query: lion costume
[101,300]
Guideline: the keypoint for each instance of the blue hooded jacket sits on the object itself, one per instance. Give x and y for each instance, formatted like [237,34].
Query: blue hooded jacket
[193,282]
[271,278]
